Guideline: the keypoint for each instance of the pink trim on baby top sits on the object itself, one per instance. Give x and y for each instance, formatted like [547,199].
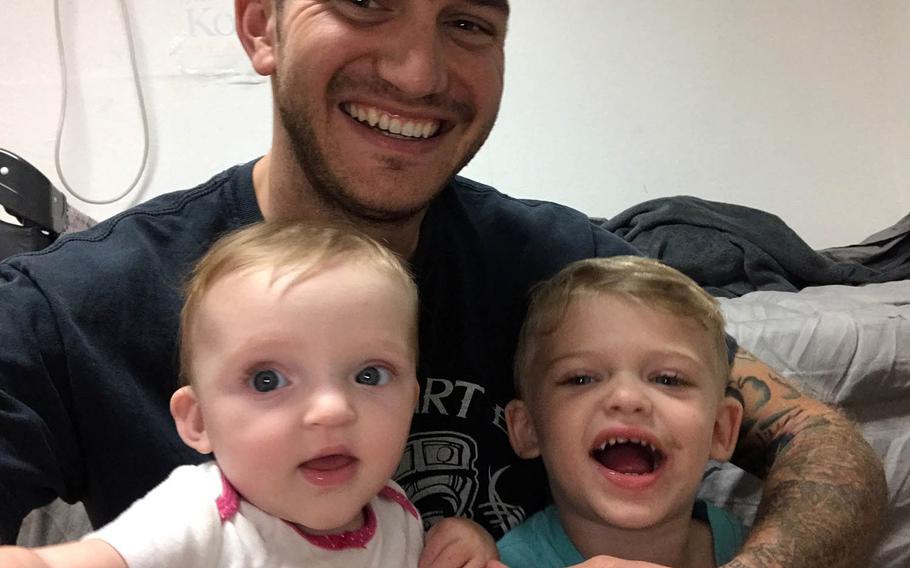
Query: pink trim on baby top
[400,498]
[229,503]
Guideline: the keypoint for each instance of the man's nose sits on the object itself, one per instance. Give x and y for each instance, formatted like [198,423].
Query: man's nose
[417,65]
[329,406]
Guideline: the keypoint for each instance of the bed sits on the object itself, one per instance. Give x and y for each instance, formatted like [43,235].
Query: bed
[837,322]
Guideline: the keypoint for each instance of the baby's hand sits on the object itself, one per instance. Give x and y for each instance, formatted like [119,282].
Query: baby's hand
[458,543]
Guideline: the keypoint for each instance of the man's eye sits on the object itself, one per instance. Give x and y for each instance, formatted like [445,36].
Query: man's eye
[478,30]
[366,4]
[469,26]
[267,380]
[373,376]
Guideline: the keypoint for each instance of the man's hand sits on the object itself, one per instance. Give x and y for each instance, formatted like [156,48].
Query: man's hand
[458,543]
[824,491]
[597,562]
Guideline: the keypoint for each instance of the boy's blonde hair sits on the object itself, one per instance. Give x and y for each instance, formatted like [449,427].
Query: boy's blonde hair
[284,247]
[646,281]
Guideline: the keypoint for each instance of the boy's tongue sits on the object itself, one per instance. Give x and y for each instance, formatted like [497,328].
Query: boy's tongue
[627,458]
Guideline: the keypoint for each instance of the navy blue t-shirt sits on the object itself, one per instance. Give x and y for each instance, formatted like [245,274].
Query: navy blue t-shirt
[88,329]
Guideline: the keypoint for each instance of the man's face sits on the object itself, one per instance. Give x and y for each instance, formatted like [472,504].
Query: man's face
[383,101]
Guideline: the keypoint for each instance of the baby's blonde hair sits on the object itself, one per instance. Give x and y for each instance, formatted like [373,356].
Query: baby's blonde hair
[284,247]
[644,280]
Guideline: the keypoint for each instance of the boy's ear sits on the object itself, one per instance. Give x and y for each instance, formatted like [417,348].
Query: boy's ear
[188,417]
[726,428]
[522,434]
[256,23]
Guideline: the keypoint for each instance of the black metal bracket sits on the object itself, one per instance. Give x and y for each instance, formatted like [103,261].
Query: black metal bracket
[29,196]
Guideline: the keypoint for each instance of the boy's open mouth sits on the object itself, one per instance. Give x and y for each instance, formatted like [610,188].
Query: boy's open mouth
[628,456]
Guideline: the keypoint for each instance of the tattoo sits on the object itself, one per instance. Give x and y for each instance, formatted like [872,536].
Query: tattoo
[761,390]
[783,417]
[823,499]
[826,492]
[792,393]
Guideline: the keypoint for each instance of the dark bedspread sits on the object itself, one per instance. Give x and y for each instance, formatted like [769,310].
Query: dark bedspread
[732,250]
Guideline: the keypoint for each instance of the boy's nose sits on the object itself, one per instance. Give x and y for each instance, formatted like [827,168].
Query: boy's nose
[627,395]
[329,407]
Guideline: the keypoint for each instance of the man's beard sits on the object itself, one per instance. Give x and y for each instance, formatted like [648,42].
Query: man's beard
[329,187]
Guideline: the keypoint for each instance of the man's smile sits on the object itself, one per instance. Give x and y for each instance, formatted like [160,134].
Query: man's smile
[392,124]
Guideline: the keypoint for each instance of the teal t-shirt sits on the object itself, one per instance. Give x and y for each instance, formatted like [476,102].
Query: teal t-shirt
[541,542]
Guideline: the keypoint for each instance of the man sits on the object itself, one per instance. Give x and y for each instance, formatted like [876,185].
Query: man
[378,103]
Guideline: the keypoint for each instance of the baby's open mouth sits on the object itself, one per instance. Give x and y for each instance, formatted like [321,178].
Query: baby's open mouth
[628,456]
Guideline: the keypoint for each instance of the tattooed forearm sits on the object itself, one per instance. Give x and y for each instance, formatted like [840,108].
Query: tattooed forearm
[824,489]
[817,511]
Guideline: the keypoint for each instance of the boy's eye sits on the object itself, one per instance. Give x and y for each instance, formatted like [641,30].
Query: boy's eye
[373,376]
[267,380]
[669,380]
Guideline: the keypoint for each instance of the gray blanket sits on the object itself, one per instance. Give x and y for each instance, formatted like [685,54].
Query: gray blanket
[732,250]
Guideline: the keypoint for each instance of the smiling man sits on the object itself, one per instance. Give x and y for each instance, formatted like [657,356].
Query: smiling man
[377,105]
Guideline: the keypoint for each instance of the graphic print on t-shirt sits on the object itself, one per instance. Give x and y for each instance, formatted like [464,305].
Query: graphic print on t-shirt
[462,473]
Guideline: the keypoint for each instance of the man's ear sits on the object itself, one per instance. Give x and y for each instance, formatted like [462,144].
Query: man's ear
[522,434]
[726,428]
[188,417]
[255,21]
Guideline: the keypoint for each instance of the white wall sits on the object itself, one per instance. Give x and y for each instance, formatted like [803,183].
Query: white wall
[800,108]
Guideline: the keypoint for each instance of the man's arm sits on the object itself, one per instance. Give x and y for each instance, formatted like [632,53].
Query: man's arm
[824,489]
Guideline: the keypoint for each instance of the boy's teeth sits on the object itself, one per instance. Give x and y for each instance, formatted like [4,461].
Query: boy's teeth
[614,441]
[394,125]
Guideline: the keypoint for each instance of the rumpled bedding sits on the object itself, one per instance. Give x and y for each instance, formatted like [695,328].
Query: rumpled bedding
[732,250]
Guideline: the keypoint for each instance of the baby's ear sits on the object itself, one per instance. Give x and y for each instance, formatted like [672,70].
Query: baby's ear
[188,417]
[726,428]
[522,434]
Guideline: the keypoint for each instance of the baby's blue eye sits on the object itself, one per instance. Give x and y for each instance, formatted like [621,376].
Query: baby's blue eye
[373,376]
[267,380]
[579,380]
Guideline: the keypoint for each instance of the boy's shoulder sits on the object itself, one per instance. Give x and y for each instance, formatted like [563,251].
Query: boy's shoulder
[541,541]
[537,542]
[727,530]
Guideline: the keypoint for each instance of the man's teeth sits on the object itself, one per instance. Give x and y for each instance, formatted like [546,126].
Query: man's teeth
[614,441]
[378,119]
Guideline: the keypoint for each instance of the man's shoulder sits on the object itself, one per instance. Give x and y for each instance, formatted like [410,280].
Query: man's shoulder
[554,232]
[162,230]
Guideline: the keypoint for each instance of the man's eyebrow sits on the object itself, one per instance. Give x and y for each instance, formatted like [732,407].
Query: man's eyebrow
[501,5]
